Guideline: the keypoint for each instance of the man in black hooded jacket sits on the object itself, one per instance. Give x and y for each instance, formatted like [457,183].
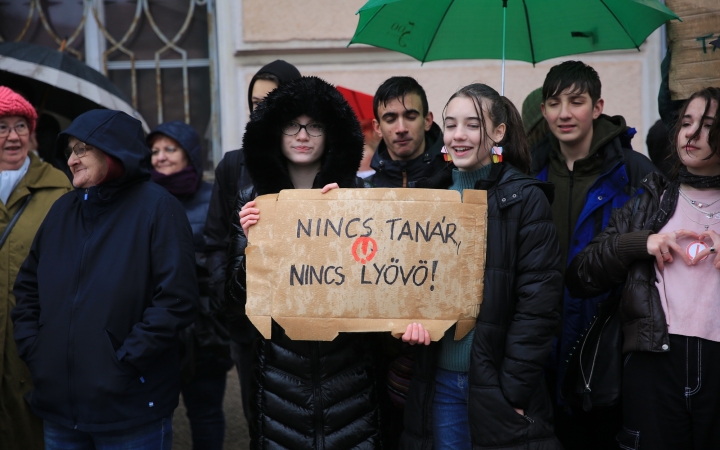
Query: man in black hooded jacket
[230,176]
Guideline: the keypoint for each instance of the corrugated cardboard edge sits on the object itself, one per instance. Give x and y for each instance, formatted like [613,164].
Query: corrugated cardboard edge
[324,329]
[691,67]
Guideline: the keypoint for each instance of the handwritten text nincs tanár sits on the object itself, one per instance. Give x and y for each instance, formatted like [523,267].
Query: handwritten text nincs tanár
[397,229]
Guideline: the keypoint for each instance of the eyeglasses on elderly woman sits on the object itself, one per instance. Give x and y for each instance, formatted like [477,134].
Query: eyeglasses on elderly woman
[79,149]
[21,129]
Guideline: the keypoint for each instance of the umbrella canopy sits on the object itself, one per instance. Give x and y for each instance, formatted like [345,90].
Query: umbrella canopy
[360,102]
[58,82]
[536,30]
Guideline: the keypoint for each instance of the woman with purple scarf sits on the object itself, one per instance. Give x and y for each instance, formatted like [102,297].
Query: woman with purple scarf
[176,161]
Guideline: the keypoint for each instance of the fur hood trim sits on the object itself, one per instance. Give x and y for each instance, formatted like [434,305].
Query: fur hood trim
[319,100]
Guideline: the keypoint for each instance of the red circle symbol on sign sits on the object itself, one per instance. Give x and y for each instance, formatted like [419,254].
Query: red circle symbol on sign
[696,247]
[364,249]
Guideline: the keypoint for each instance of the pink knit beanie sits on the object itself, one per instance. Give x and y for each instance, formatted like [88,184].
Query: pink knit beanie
[13,104]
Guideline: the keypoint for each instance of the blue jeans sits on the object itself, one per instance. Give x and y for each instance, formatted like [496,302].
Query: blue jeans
[152,436]
[451,430]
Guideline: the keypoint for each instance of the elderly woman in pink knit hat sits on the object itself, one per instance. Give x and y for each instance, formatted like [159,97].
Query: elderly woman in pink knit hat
[28,187]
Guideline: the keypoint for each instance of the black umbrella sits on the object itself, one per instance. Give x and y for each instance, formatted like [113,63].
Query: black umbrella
[59,83]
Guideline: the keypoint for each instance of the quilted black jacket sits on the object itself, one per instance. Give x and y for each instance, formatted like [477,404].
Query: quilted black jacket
[514,329]
[306,394]
[619,255]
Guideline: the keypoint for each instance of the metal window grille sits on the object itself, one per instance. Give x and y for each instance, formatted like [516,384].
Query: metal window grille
[161,53]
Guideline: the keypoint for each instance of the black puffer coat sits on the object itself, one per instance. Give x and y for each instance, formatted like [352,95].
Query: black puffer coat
[515,327]
[619,255]
[306,394]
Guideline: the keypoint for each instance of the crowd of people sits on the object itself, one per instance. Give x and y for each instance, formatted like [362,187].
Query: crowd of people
[125,285]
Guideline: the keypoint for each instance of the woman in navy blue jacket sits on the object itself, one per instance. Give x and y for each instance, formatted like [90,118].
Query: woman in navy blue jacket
[108,284]
[177,166]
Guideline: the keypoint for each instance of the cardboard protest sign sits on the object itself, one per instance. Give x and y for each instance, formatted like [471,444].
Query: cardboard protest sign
[366,260]
[695,62]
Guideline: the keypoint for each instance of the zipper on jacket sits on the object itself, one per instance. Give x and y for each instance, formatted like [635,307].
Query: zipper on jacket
[317,403]
[71,334]
[404,175]
[86,193]
[571,231]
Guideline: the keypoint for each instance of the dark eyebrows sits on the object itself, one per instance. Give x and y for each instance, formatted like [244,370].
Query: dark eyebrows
[389,115]
[411,111]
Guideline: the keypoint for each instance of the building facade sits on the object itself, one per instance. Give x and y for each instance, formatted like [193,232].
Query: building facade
[313,35]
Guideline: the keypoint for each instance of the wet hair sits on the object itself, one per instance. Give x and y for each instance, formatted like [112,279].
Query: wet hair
[575,75]
[397,88]
[500,110]
[708,95]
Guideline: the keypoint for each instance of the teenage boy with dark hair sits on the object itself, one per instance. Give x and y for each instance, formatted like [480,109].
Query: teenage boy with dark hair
[588,157]
[411,144]
[231,176]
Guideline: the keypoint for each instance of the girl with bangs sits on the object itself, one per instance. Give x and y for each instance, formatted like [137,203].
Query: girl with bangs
[486,390]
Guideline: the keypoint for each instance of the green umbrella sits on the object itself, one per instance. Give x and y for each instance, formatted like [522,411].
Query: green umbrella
[536,30]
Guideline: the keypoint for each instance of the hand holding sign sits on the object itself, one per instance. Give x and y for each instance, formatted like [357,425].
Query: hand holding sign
[416,335]
[249,215]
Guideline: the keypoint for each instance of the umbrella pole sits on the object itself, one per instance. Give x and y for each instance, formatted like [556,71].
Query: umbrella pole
[502,75]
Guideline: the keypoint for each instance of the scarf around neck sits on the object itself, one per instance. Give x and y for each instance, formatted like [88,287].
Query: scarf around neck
[181,183]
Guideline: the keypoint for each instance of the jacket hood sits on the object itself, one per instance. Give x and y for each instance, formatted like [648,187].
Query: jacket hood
[186,136]
[116,134]
[284,72]
[319,100]
[605,130]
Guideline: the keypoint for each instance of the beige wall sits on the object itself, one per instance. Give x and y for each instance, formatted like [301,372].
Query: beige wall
[284,20]
[313,35]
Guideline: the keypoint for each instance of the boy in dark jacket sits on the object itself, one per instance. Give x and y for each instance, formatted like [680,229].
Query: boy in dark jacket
[589,159]
[411,144]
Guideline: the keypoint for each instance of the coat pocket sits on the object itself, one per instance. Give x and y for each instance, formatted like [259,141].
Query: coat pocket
[493,421]
[26,347]
[115,344]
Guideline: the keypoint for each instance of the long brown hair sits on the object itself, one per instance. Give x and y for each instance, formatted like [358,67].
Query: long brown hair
[711,94]
[500,110]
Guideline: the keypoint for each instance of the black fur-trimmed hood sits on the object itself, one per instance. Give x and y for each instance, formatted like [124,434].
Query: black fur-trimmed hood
[322,102]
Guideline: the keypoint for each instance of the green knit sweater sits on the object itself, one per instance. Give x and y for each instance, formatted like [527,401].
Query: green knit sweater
[455,355]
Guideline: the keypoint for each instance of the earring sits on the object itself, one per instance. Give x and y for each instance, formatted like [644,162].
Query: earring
[446,155]
[497,153]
